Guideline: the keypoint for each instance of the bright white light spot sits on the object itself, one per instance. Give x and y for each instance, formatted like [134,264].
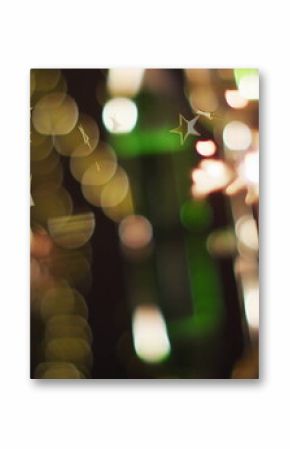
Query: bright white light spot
[235,100]
[125,82]
[135,232]
[120,115]
[150,335]
[251,296]
[237,136]
[247,233]
[211,175]
[249,87]
[205,147]
[250,167]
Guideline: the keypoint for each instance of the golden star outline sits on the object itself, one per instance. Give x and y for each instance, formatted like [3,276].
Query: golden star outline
[185,128]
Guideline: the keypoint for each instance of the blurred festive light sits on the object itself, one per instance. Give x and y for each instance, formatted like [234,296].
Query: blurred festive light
[249,87]
[44,167]
[62,300]
[121,210]
[237,136]
[47,174]
[203,98]
[55,113]
[247,81]
[50,204]
[247,233]
[221,243]
[120,115]
[196,215]
[235,100]
[74,266]
[100,161]
[250,167]
[81,141]
[40,145]
[198,76]
[251,298]
[57,370]
[205,147]
[101,171]
[135,232]
[115,190]
[70,349]
[226,74]
[68,326]
[211,175]
[45,79]
[72,231]
[40,243]
[124,82]
[150,334]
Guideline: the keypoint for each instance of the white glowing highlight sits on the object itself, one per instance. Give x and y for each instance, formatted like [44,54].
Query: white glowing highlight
[211,175]
[237,136]
[249,87]
[205,147]
[235,99]
[150,337]
[251,298]
[125,82]
[251,167]
[247,232]
[120,115]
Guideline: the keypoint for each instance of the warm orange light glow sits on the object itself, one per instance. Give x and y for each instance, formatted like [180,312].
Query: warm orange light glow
[211,175]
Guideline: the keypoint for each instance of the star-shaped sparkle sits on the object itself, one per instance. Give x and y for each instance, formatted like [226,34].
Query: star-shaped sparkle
[185,128]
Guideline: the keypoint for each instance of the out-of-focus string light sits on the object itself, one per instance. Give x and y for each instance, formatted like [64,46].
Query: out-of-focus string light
[124,82]
[250,167]
[251,298]
[40,145]
[135,232]
[98,162]
[62,300]
[248,83]
[203,98]
[120,115]
[237,136]
[101,171]
[198,76]
[235,100]
[150,337]
[121,210]
[247,233]
[205,147]
[70,349]
[81,141]
[211,175]
[50,204]
[73,231]
[68,326]
[55,113]
[116,189]
[221,243]
[57,370]
[45,79]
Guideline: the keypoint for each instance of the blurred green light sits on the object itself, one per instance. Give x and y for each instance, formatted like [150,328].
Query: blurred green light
[196,215]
